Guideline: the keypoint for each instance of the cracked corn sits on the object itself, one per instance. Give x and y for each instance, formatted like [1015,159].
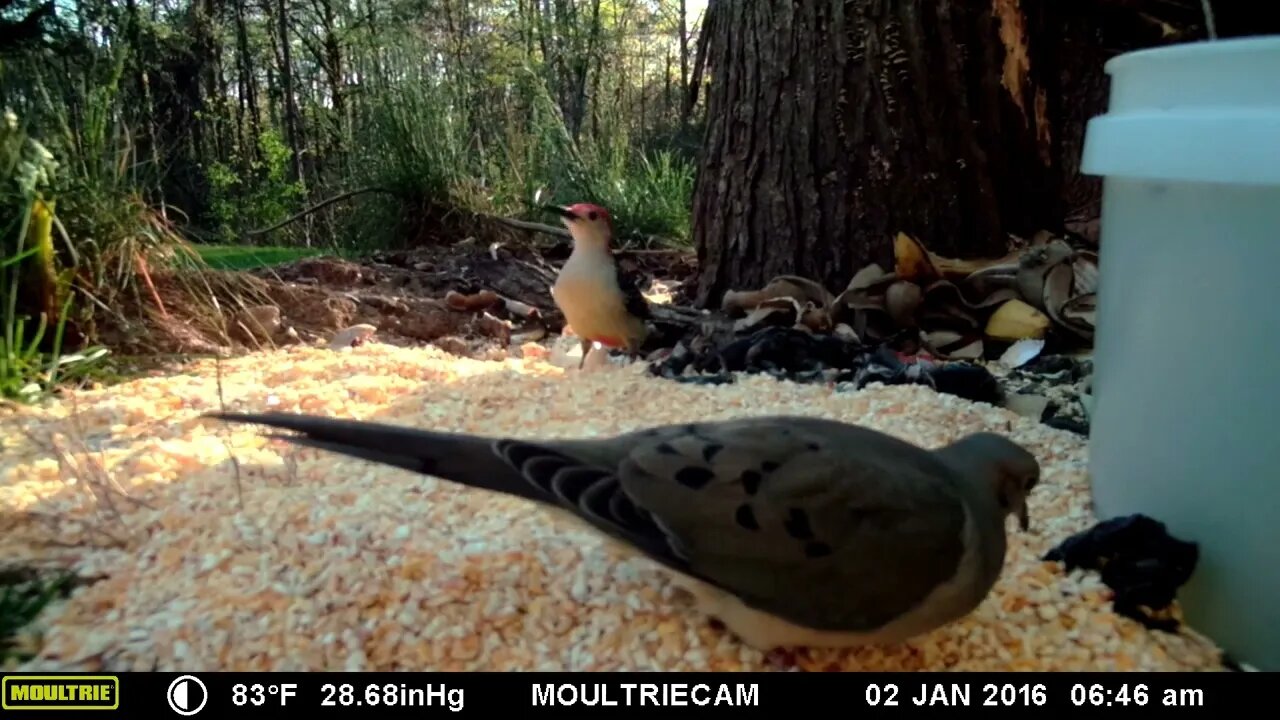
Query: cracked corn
[293,559]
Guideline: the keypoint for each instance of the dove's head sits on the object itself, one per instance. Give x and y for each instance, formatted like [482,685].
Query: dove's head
[1001,466]
[590,225]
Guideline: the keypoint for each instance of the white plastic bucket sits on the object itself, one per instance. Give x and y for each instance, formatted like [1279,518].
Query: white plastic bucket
[1186,419]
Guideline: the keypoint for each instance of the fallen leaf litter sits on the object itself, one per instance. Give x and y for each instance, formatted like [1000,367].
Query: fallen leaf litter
[337,564]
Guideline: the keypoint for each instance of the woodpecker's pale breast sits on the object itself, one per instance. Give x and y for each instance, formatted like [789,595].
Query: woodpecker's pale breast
[587,292]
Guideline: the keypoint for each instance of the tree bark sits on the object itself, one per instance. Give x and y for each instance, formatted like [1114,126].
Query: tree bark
[835,124]
[292,117]
[248,86]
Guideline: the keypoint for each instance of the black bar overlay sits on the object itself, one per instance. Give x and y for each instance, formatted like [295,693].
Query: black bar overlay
[444,695]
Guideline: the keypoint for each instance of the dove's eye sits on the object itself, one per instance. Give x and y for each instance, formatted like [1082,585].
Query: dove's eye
[591,215]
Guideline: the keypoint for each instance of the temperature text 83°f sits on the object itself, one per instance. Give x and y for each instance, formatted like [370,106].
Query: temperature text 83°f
[259,694]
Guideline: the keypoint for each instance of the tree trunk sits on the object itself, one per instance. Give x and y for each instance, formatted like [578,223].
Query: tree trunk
[835,124]
[292,118]
[333,67]
[684,48]
[249,86]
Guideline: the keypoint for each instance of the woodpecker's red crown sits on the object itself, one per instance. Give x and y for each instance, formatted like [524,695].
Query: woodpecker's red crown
[591,213]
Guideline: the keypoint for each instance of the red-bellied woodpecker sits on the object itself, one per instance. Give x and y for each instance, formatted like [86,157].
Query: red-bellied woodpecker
[597,300]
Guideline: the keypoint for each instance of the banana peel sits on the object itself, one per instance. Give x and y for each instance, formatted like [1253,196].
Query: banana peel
[1016,320]
[912,261]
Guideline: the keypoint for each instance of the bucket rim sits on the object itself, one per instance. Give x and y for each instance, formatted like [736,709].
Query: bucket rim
[1196,48]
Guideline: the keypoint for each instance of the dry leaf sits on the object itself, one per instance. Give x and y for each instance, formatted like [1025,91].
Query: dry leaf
[846,333]
[351,336]
[1057,291]
[959,269]
[521,310]
[1085,269]
[791,286]
[946,292]
[972,351]
[866,278]
[1080,315]
[482,300]
[1035,264]
[817,319]
[766,315]
[990,280]
[941,338]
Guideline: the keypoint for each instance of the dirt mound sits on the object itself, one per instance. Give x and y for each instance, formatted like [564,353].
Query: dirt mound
[468,298]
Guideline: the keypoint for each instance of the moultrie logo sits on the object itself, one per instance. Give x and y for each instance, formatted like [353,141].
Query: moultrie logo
[60,692]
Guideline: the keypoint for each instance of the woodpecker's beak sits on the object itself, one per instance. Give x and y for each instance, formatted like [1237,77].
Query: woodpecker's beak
[563,212]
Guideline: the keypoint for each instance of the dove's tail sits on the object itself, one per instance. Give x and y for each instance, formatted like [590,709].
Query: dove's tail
[467,459]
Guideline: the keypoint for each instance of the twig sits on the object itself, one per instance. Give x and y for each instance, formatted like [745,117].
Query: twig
[547,275]
[222,406]
[291,468]
[105,477]
[318,206]
[1208,19]
[528,225]
[141,261]
[54,525]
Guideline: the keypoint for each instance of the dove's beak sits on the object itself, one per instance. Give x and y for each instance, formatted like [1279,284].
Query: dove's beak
[1023,521]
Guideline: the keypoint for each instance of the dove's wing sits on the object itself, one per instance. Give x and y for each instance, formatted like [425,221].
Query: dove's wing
[832,526]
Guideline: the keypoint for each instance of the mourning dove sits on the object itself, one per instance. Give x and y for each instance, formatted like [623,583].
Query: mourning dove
[597,300]
[792,531]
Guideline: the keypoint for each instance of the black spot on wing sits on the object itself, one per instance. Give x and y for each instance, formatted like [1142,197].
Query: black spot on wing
[694,478]
[667,449]
[710,450]
[797,524]
[746,517]
[750,480]
[768,466]
[813,446]
[816,549]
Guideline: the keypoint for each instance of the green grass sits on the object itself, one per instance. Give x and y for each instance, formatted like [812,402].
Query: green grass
[232,257]
[417,144]
[23,596]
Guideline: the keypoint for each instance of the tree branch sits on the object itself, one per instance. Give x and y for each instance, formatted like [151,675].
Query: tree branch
[318,206]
